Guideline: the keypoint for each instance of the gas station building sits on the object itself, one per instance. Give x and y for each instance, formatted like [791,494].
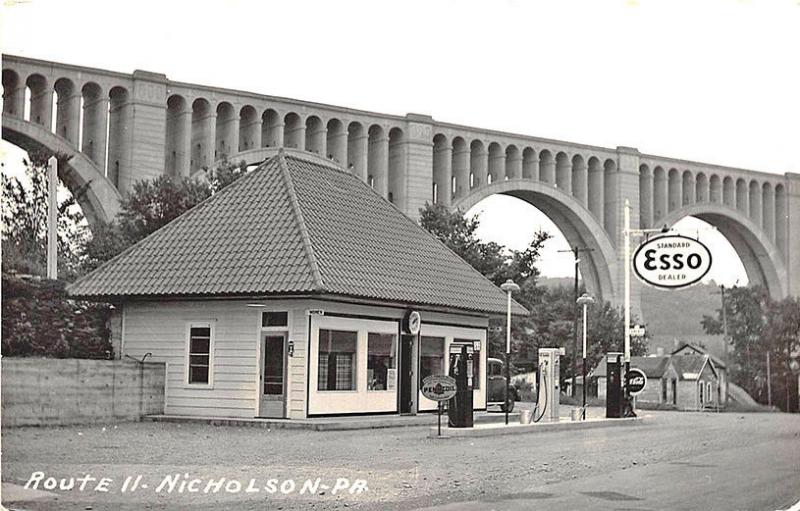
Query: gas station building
[295,292]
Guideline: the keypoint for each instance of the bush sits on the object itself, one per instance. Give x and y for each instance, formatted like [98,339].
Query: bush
[39,320]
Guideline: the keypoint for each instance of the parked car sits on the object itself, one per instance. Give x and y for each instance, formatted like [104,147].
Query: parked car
[496,377]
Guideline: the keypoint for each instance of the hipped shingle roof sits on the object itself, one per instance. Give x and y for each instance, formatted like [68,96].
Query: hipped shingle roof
[295,225]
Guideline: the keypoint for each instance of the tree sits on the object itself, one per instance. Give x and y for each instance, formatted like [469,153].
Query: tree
[783,334]
[746,320]
[552,311]
[552,318]
[25,221]
[757,326]
[494,261]
[37,317]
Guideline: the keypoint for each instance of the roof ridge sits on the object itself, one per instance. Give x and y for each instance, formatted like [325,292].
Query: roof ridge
[427,233]
[301,223]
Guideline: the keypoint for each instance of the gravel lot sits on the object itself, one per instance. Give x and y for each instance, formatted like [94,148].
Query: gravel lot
[403,468]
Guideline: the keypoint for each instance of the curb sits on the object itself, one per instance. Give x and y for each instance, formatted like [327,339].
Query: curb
[539,427]
[328,424]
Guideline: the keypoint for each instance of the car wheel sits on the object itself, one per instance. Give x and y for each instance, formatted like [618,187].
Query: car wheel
[507,407]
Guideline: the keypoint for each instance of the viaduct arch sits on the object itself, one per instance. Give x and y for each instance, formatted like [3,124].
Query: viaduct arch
[100,199]
[759,255]
[179,128]
[575,221]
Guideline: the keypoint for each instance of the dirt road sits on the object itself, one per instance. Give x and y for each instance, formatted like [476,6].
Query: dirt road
[673,461]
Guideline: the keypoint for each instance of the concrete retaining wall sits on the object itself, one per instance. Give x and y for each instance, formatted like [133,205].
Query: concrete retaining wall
[55,392]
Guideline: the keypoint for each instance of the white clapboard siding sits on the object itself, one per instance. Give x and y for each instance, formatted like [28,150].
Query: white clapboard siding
[161,329]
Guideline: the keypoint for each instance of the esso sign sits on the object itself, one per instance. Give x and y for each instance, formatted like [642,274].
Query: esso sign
[672,261]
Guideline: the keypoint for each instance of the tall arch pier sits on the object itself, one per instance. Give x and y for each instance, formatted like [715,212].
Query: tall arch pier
[119,128]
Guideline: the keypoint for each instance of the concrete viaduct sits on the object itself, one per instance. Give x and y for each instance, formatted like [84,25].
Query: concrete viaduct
[120,128]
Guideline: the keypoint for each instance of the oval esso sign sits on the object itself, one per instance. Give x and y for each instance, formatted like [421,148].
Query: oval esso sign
[672,261]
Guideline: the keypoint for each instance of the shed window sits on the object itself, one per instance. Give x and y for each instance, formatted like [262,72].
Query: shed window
[337,360]
[200,354]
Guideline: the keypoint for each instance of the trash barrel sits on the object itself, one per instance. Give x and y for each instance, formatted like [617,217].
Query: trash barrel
[525,416]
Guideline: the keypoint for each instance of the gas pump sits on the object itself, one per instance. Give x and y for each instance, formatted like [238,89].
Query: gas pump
[549,389]
[459,410]
[614,399]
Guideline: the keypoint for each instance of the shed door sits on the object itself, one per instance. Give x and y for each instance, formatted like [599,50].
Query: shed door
[273,375]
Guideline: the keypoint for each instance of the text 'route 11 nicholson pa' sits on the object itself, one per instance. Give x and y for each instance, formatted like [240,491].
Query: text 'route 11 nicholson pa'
[217,296]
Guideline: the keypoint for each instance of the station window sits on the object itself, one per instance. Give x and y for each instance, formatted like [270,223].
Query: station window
[381,361]
[337,360]
[199,363]
[431,357]
[274,319]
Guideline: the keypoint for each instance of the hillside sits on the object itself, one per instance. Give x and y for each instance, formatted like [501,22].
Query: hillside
[672,316]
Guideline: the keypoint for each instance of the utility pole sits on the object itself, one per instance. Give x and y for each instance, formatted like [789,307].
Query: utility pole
[725,338]
[769,382]
[52,218]
[576,254]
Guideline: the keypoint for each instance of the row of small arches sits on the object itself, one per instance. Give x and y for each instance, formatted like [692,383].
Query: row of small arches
[91,118]
[199,134]
[461,165]
[663,190]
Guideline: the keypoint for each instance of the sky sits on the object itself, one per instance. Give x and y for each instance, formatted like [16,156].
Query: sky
[707,80]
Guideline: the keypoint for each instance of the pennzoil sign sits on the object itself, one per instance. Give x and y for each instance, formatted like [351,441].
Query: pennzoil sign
[438,387]
[672,261]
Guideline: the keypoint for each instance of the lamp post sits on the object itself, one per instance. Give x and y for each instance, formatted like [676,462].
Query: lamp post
[509,287]
[585,300]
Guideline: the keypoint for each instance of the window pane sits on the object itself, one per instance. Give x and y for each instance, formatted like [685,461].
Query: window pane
[199,345]
[431,357]
[198,374]
[275,319]
[337,360]
[198,360]
[201,331]
[199,354]
[381,361]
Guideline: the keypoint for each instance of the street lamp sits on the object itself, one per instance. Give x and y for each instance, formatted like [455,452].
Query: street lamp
[509,287]
[585,300]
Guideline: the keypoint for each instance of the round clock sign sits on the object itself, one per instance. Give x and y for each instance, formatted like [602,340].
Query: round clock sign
[412,322]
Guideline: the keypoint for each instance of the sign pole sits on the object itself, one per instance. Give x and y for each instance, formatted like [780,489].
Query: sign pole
[627,264]
[583,364]
[440,418]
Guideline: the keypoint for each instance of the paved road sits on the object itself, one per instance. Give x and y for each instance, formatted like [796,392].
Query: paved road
[762,475]
[672,461]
